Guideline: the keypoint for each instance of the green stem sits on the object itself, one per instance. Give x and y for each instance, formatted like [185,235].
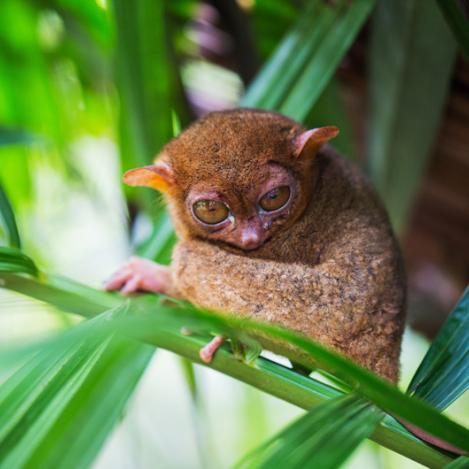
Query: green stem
[263,374]
[296,389]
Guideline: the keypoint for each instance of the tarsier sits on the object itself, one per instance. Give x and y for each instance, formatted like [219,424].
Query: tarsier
[274,225]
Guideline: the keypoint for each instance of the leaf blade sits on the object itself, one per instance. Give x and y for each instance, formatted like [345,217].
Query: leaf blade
[337,40]
[457,21]
[459,463]
[8,221]
[365,383]
[10,136]
[284,84]
[58,409]
[13,260]
[324,437]
[262,374]
[407,94]
[443,374]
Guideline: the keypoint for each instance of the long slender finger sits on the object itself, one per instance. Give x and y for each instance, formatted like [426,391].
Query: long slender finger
[118,279]
[206,353]
[132,285]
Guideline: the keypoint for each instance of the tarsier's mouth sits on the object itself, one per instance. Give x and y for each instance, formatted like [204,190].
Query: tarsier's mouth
[239,249]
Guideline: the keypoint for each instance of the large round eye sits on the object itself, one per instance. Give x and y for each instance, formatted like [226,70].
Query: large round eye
[275,199]
[211,212]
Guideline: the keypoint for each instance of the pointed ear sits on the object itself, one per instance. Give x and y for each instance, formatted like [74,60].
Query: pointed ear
[311,140]
[158,176]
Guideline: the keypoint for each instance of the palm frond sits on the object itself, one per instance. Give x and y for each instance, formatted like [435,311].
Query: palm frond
[329,108]
[8,221]
[7,217]
[93,19]
[10,136]
[443,374]
[308,55]
[13,260]
[408,88]
[59,407]
[460,463]
[166,320]
[159,324]
[159,244]
[164,323]
[325,437]
[457,21]
[149,82]
[66,295]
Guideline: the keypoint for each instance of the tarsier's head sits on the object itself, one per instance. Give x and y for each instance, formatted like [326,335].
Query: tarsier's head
[236,177]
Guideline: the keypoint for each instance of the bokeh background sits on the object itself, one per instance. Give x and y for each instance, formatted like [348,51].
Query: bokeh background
[93,87]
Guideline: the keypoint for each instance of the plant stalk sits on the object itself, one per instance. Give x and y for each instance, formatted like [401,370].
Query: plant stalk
[263,374]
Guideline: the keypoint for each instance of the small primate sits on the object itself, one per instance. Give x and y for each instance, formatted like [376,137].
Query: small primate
[274,225]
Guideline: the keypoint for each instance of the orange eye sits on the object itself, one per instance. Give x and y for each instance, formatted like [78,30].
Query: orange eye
[275,199]
[211,212]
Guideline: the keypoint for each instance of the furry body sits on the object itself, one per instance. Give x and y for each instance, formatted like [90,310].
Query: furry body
[334,274]
[318,257]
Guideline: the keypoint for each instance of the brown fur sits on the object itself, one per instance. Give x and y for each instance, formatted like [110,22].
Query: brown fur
[333,272]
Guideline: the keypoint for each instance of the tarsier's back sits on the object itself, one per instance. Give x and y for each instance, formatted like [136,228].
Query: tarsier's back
[275,226]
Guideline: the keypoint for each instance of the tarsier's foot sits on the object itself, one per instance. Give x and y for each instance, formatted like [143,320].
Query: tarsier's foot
[206,353]
[141,274]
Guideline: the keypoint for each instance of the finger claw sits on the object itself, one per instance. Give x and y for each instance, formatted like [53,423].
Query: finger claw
[118,279]
[132,285]
[111,285]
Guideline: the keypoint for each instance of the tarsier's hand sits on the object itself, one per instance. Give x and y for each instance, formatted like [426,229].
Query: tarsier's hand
[142,274]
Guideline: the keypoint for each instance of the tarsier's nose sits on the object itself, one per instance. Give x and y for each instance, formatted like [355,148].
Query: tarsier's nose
[250,237]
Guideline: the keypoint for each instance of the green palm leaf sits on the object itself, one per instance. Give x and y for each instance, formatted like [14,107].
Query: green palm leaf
[8,221]
[13,260]
[151,322]
[93,19]
[7,217]
[460,463]
[408,87]
[443,374]
[15,137]
[68,296]
[88,370]
[159,245]
[329,109]
[303,64]
[149,82]
[58,408]
[457,21]
[160,325]
[323,438]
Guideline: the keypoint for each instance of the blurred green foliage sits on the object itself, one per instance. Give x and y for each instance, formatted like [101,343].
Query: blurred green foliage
[71,71]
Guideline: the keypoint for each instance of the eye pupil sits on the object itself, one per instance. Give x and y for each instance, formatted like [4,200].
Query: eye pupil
[210,212]
[275,199]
